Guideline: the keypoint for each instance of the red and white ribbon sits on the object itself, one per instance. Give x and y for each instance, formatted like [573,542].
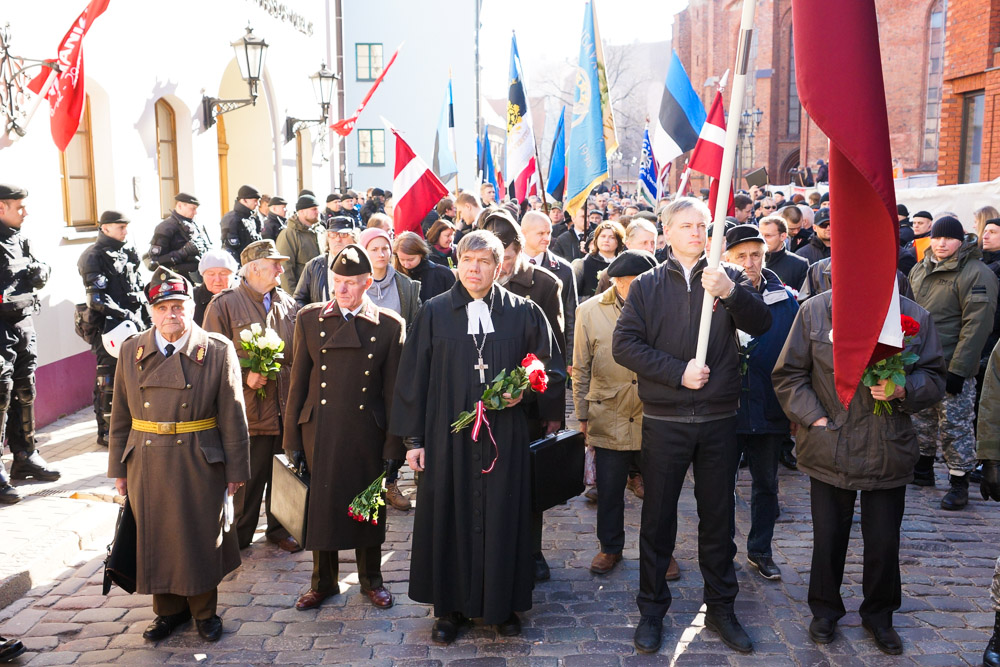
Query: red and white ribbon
[476,426]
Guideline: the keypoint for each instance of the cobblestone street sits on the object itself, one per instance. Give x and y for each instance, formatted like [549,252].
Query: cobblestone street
[577,619]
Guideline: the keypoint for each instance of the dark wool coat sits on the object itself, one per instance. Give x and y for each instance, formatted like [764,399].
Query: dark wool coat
[177,482]
[343,376]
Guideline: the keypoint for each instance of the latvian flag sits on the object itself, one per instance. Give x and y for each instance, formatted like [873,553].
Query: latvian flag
[415,188]
[707,154]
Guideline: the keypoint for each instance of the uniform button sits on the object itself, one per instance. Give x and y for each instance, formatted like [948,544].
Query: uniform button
[631,419]
[146,404]
[475,457]
[478,513]
[633,381]
[364,389]
[323,367]
[478,529]
[321,319]
[188,387]
[149,442]
[477,494]
[322,333]
[373,339]
[361,407]
[367,373]
[322,401]
[324,351]
[180,442]
[140,367]
[370,356]
[184,405]
[322,384]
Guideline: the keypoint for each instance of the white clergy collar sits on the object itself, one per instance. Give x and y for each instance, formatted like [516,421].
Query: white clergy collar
[479,317]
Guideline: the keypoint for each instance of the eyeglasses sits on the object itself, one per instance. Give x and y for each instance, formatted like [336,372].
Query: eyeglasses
[767,208]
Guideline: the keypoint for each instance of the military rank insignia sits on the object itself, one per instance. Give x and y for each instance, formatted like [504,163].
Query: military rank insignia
[199,354]
[138,353]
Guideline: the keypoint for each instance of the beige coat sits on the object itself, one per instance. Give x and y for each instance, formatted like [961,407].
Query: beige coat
[177,482]
[604,393]
[232,311]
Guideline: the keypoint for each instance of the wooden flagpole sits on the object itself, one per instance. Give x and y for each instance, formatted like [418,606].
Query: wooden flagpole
[726,173]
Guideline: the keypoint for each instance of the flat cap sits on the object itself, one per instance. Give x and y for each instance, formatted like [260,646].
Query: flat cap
[113,217]
[278,201]
[185,198]
[248,192]
[631,263]
[8,191]
[167,285]
[306,201]
[263,249]
[338,223]
[351,261]
[741,234]
[217,258]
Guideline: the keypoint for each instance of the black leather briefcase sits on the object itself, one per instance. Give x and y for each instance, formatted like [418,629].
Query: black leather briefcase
[289,497]
[556,469]
[120,563]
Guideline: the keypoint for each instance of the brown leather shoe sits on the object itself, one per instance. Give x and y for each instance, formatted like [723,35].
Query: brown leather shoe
[604,563]
[636,486]
[380,597]
[311,600]
[395,497]
[289,544]
[673,570]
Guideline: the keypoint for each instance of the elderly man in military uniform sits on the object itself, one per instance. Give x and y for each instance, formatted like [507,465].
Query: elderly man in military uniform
[259,300]
[343,375]
[178,241]
[110,272]
[241,226]
[179,447]
[21,275]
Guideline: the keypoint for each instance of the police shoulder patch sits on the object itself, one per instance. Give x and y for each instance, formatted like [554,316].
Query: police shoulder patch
[100,281]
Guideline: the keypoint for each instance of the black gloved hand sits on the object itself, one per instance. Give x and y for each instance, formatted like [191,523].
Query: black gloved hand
[953,384]
[990,484]
[298,460]
[413,442]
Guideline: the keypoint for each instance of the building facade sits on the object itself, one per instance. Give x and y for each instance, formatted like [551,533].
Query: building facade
[913,34]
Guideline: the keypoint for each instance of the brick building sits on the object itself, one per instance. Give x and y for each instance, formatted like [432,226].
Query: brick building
[913,42]
[970,126]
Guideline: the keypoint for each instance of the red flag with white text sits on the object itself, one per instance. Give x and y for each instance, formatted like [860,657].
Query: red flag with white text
[344,127]
[842,89]
[415,189]
[67,93]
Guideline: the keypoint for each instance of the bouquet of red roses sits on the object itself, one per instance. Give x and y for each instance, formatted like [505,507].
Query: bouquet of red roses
[364,507]
[531,373]
[892,369]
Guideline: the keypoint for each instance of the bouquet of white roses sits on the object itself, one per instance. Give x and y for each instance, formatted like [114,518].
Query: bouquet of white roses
[264,348]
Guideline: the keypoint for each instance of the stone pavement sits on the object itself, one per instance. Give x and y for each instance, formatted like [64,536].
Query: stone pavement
[577,618]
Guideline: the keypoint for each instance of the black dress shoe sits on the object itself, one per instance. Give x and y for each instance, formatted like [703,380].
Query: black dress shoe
[446,628]
[648,634]
[886,638]
[788,460]
[765,567]
[162,626]
[542,572]
[821,630]
[210,629]
[10,649]
[511,627]
[728,627]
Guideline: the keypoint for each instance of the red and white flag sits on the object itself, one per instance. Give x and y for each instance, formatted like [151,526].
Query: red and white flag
[415,188]
[345,126]
[707,154]
[866,326]
[66,94]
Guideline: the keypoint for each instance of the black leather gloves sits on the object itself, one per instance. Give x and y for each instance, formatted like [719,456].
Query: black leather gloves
[413,442]
[298,460]
[953,384]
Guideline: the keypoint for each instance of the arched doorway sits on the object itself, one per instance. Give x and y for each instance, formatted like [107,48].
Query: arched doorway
[790,162]
[249,138]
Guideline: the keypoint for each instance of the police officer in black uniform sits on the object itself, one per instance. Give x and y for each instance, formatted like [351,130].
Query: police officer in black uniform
[276,219]
[178,241]
[110,272]
[21,274]
[242,225]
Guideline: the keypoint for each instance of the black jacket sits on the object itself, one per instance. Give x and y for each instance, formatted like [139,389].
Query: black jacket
[790,268]
[814,251]
[799,240]
[657,335]
[178,243]
[564,272]
[908,255]
[587,280]
[240,227]
[20,275]
[110,272]
[275,223]
[567,245]
[434,279]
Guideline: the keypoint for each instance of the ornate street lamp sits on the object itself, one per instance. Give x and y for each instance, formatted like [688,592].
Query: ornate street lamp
[250,52]
[323,86]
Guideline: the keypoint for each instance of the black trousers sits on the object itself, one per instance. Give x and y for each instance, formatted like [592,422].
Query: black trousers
[668,450]
[326,569]
[247,500]
[18,361]
[881,517]
[613,468]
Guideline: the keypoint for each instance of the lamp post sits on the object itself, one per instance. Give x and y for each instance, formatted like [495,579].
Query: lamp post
[250,52]
[322,85]
[749,122]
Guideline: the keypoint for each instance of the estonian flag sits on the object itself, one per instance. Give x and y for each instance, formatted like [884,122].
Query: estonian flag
[557,161]
[681,116]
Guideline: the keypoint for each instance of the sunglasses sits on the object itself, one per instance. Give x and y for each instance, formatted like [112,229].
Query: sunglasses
[824,224]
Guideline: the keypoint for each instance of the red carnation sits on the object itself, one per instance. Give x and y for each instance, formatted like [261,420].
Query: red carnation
[528,360]
[539,380]
[910,326]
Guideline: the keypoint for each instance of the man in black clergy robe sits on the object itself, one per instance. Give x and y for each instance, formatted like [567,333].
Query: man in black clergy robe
[471,554]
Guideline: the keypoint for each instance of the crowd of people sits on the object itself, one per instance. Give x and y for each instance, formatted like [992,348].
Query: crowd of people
[387,338]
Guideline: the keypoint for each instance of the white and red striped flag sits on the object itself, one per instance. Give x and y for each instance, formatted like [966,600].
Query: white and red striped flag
[707,154]
[415,188]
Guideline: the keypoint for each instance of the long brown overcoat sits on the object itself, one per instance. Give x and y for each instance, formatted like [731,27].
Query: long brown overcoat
[238,308]
[343,377]
[177,482]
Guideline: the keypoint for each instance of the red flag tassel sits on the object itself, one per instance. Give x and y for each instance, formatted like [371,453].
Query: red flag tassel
[479,423]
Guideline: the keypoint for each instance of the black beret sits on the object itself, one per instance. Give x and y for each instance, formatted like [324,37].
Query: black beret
[902,210]
[741,234]
[821,216]
[338,223]
[277,201]
[8,191]
[333,196]
[113,217]
[306,201]
[922,214]
[248,192]
[185,198]
[351,261]
[378,192]
[631,263]
[948,227]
